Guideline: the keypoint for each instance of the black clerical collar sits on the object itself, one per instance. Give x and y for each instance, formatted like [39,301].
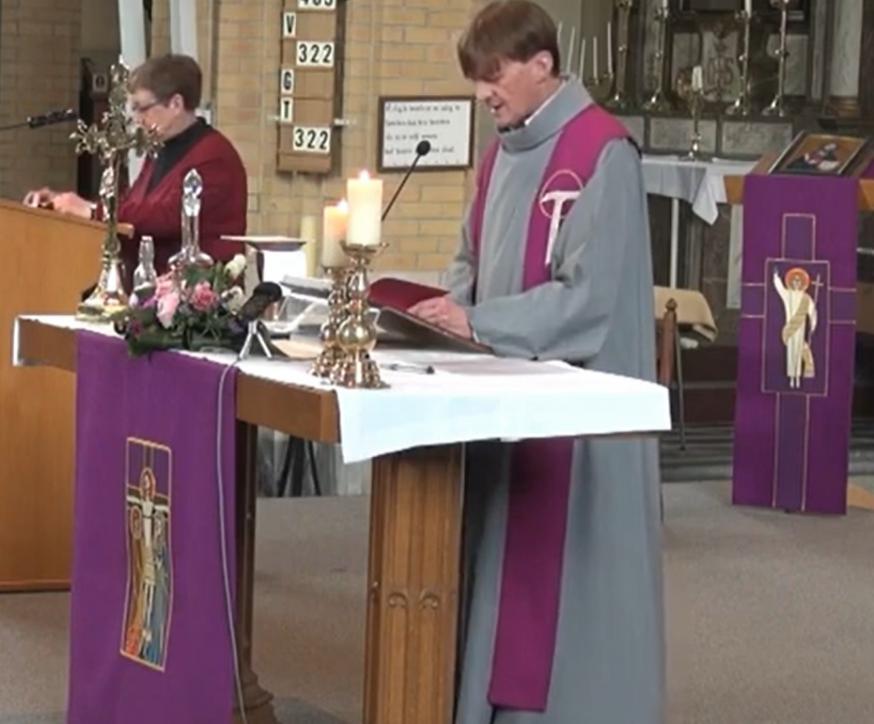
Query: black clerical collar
[175,148]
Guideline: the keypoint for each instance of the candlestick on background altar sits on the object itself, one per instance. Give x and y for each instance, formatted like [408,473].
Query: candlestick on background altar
[595,78]
[697,78]
[334,225]
[365,210]
[748,6]
[583,59]
[570,50]
[610,48]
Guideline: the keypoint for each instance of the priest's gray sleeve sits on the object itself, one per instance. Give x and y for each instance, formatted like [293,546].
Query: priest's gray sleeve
[462,270]
[602,252]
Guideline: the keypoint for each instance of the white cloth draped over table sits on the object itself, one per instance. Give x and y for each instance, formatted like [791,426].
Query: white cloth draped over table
[469,397]
[701,184]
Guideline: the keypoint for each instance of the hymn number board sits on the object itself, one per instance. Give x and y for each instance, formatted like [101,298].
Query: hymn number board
[309,84]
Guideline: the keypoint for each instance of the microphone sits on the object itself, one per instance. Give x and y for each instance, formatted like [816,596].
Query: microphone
[46,119]
[422,149]
[51,118]
[262,297]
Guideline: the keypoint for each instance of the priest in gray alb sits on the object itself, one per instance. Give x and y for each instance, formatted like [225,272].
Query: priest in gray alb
[563,605]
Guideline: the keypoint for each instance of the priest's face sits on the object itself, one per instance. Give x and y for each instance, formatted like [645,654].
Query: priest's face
[165,117]
[517,89]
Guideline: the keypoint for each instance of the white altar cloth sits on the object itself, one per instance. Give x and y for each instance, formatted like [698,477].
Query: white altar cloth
[468,397]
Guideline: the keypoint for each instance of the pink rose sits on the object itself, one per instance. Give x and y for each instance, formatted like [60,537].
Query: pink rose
[167,305]
[203,298]
[164,285]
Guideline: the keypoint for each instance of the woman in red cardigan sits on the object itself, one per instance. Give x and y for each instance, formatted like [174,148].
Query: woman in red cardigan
[165,92]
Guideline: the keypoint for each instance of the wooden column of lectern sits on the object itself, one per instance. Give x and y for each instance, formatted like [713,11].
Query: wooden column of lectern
[47,261]
[415,543]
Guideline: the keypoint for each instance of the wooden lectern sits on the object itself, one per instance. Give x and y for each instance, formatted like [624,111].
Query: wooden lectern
[47,261]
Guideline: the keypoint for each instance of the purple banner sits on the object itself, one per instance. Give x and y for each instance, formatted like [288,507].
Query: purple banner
[796,343]
[150,637]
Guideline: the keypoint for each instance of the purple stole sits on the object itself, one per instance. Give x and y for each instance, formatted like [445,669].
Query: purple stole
[540,469]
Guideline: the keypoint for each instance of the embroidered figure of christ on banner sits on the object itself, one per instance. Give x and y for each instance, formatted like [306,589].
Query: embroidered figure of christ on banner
[796,343]
[149,575]
[149,629]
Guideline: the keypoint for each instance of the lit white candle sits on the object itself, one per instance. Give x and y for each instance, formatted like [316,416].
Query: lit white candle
[748,6]
[334,223]
[609,48]
[595,59]
[365,210]
[697,78]
[583,59]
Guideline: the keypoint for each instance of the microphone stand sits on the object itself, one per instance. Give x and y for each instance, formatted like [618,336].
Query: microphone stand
[419,154]
[49,119]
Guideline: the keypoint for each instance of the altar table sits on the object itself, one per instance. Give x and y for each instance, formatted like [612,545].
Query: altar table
[416,501]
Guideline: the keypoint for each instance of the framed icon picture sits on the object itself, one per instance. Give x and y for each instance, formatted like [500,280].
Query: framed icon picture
[820,154]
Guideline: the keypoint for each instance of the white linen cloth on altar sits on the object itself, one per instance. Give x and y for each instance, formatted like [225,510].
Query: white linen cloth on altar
[468,397]
[702,185]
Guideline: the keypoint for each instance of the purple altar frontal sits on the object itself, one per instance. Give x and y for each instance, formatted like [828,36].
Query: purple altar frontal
[149,630]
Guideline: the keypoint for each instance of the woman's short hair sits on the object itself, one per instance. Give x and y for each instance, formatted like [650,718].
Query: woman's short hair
[167,75]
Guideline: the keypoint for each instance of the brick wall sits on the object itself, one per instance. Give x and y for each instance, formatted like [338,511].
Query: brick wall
[392,48]
[39,70]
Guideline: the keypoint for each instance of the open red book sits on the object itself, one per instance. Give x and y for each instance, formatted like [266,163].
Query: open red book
[393,297]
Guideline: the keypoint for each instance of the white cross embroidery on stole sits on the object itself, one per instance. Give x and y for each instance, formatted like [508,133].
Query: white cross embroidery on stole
[559,199]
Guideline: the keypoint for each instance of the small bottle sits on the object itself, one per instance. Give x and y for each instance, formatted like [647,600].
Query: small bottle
[145,277]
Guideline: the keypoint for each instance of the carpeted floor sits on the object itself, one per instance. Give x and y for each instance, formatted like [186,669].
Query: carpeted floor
[770,616]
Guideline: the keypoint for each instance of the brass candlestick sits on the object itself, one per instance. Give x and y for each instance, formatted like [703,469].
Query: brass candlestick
[619,101]
[741,105]
[116,136]
[357,333]
[331,353]
[695,96]
[658,101]
[775,107]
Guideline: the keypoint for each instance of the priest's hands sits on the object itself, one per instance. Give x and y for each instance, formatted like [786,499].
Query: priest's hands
[445,313]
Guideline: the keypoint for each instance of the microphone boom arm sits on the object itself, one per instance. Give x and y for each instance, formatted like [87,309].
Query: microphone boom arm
[401,186]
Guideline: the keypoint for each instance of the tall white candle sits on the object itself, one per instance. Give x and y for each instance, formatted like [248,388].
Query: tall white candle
[665,5]
[595,59]
[609,48]
[365,210]
[583,59]
[748,6]
[334,222]
[697,78]
[309,233]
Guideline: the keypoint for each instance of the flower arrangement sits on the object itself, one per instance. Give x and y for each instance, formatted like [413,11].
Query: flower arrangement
[192,310]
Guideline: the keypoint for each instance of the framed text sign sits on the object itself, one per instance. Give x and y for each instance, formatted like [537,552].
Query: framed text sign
[445,121]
